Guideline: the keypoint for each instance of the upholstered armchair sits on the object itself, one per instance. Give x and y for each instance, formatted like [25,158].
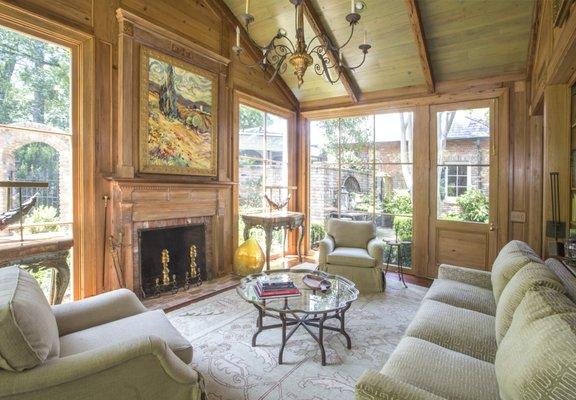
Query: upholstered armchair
[351,249]
[105,347]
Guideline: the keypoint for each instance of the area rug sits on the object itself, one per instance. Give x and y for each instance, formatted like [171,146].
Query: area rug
[220,329]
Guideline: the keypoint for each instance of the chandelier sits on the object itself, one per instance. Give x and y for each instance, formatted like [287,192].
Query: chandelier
[319,51]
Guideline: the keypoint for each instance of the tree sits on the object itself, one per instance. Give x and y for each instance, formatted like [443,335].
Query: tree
[34,81]
[251,118]
[350,140]
[168,96]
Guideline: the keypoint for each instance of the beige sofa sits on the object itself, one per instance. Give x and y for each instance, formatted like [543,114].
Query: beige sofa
[509,334]
[105,347]
[351,249]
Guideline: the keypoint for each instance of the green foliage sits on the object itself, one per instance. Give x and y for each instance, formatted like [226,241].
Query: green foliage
[39,162]
[474,206]
[351,139]
[317,232]
[34,81]
[398,203]
[251,118]
[403,227]
[42,214]
[251,194]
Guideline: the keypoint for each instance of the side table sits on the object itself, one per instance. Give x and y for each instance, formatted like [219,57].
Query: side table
[397,244]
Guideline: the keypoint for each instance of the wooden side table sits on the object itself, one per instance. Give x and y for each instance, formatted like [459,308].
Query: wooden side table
[274,221]
[395,244]
[42,254]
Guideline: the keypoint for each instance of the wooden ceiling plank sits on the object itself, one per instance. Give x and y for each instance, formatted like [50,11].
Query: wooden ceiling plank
[319,29]
[254,51]
[533,44]
[418,31]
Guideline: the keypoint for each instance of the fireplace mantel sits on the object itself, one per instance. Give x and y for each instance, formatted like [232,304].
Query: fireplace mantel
[141,203]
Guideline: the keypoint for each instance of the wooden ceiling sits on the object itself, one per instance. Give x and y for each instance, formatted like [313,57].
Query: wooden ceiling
[415,43]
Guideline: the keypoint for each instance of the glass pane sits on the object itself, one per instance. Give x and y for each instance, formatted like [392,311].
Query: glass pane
[356,140]
[464,202]
[35,80]
[394,207]
[356,192]
[394,137]
[463,164]
[276,139]
[251,142]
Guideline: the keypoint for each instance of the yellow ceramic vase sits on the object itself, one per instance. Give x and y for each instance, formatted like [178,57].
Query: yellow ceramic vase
[248,258]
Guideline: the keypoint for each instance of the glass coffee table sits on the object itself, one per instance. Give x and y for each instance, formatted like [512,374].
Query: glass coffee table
[311,310]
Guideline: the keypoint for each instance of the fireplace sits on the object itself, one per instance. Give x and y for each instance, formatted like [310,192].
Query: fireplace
[176,243]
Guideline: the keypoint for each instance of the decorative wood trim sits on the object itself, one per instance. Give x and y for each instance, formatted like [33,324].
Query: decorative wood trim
[179,45]
[533,43]
[320,30]
[253,51]
[420,39]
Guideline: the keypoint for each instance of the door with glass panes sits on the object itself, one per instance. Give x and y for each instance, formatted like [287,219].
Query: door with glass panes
[463,185]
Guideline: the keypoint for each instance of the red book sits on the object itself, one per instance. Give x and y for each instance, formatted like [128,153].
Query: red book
[281,292]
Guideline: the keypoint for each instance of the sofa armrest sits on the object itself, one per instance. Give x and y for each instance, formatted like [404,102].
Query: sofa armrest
[465,275]
[376,250]
[326,246]
[376,386]
[97,310]
[133,366]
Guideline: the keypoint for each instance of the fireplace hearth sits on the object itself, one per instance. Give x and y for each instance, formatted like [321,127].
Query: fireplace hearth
[167,262]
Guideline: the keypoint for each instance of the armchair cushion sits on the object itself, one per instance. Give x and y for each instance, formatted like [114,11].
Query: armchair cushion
[351,233]
[97,310]
[151,323]
[28,330]
[351,256]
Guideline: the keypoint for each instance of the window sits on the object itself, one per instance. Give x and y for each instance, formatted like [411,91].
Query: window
[463,142]
[36,134]
[263,164]
[361,169]
[456,180]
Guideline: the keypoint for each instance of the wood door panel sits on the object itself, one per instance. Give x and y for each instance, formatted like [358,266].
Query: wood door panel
[462,248]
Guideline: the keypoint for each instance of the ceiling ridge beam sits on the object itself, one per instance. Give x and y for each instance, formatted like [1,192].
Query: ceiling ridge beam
[418,31]
[319,29]
[533,43]
[255,53]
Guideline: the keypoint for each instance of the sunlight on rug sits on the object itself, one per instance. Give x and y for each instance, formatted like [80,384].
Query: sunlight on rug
[220,330]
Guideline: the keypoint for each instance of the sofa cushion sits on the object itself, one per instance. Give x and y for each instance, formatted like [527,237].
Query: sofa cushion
[465,331]
[151,323]
[28,330]
[463,295]
[511,259]
[443,372]
[530,276]
[537,357]
[351,233]
[352,256]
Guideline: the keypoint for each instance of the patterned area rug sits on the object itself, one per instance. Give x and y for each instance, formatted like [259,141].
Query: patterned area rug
[220,330]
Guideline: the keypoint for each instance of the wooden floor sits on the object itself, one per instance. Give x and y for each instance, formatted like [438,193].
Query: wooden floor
[171,302]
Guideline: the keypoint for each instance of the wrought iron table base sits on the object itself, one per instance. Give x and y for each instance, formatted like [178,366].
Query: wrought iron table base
[294,320]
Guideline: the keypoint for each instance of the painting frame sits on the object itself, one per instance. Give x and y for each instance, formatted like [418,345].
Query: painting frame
[145,164]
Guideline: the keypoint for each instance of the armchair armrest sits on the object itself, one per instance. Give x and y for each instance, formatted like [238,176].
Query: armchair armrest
[134,369]
[326,246]
[97,310]
[375,386]
[465,275]
[376,250]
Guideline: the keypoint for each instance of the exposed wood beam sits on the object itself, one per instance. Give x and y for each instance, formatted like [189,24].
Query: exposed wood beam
[533,44]
[253,51]
[418,31]
[319,29]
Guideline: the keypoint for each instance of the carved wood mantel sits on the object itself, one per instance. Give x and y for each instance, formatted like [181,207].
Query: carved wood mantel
[147,203]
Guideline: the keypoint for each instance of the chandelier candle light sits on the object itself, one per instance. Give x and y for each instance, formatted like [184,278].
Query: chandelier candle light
[319,51]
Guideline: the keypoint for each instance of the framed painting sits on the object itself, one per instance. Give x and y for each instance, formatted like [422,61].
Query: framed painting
[178,116]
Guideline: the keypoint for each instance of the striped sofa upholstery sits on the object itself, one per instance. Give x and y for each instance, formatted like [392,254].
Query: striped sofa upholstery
[485,335]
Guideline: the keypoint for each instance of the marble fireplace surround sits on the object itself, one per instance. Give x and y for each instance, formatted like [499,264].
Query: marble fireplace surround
[141,204]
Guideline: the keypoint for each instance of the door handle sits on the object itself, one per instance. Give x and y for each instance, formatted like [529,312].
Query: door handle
[492,227]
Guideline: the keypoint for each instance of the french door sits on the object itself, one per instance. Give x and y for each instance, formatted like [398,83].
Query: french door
[463,218]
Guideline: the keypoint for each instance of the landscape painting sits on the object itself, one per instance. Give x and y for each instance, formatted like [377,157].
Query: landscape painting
[178,110]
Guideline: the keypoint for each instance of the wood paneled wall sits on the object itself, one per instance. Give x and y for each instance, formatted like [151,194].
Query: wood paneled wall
[553,73]
[203,22]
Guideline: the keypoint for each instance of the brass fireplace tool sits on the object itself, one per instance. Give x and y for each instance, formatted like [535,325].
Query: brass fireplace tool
[193,276]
